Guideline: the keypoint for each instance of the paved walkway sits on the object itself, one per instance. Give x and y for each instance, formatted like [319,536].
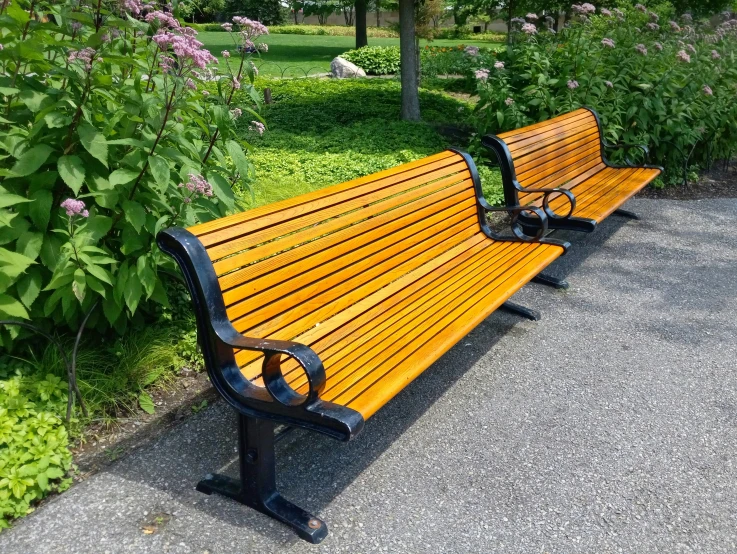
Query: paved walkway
[609,426]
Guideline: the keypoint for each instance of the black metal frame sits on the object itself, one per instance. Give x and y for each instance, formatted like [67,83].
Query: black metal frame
[512,186]
[261,408]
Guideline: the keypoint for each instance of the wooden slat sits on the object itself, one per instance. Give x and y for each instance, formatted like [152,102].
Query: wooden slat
[554,133]
[570,164]
[349,225]
[553,144]
[531,129]
[338,313]
[205,228]
[434,342]
[312,215]
[332,268]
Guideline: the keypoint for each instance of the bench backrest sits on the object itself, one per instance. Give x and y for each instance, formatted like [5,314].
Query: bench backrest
[286,267]
[560,152]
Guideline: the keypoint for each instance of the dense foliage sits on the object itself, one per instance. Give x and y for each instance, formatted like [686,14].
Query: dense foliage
[665,83]
[375,60]
[34,453]
[108,137]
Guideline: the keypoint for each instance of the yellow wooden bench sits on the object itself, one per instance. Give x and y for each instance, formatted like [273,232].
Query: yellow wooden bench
[316,311]
[567,152]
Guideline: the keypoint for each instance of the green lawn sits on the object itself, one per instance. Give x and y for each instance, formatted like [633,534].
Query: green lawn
[300,55]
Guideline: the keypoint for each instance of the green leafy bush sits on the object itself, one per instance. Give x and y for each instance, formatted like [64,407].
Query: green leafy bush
[464,32]
[375,60]
[668,84]
[34,453]
[108,137]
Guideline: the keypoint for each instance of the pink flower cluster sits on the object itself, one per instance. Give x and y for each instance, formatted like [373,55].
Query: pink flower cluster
[165,19]
[609,84]
[471,50]
[74,207]
[257,127]
[531,17]
[529,29]
[683,56]
[185,46]
[715,55]
[499,65]
[134,7]
[86,55]
[509,101]
[607,42]
[658,46]
[707,90]
[236,113]
[675,27]
[641,8]
[482,74]
[572,84]
[196,184]
[653,26]
[606,12]
[641,49]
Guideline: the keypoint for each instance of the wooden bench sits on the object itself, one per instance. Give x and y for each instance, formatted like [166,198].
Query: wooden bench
[315,311]
[567,152]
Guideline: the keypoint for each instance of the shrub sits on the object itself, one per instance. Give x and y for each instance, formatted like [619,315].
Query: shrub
[667,84]
[34,453]
[326,30]
[465,32]
[375,60]
[108,139]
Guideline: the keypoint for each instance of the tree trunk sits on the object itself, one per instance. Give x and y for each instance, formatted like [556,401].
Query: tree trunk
[378,13]
[510,15]
[361,35]
[408,60]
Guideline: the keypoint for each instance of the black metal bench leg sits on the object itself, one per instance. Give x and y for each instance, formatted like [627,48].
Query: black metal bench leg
[549,280]
[521,310]
[628,214]
[257,485]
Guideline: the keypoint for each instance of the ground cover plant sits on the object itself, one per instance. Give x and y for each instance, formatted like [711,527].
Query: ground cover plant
[654,80]
[323,132]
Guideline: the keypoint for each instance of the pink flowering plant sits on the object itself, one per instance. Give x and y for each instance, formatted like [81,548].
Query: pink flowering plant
[653,77]
[110,133]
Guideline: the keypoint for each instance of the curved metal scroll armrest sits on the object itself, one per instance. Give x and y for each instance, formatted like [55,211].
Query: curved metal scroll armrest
[546,200]
[271,370]
[515,211]
[627,148]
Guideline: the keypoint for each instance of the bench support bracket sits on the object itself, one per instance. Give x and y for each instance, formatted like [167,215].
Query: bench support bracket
[528,313]
[626,213]
[550,281]
[257,485]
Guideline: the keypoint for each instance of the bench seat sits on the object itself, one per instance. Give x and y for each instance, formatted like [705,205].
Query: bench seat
[316,311]
[567,153]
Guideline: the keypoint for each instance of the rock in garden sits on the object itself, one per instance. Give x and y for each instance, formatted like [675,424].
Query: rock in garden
[343,69]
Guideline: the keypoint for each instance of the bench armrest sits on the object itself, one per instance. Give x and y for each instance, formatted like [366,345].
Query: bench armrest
[515,212]
[546,200]
[271,370]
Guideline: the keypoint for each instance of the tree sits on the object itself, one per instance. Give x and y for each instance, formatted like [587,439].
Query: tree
[409,61]
[268,12]
[321,8]
[361,34]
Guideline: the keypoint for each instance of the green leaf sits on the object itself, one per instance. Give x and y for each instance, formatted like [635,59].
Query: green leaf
[135,214]
[55,120]
[40,210]
[43,481]
[29,286]
[146,403]
[159,168]
[55,473]
[32,99]
[238,157]
[10,307]
[147,276]
[132,291]
[71,169]
[100,273]
[122,176]
[7,199]
[79,285]
[93,141]
[29,244]
[95,285]
[221,188]
[31,160]
[111,309]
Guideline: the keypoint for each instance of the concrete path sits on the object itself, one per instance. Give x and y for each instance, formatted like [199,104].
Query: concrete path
[609,426]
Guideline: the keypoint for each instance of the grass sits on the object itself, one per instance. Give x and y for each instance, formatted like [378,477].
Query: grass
[324,131]
[301,55]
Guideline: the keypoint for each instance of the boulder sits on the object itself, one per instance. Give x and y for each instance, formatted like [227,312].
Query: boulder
[343,69]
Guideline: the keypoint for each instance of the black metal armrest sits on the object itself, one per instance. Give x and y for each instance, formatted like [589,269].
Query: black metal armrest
[515,212]
[627,148]
[546,200]
[271,370]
